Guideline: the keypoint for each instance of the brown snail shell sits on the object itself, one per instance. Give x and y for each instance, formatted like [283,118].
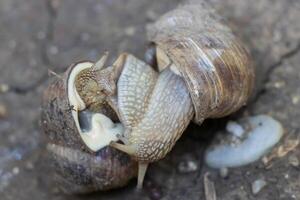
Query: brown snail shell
[77,168]
[215,66]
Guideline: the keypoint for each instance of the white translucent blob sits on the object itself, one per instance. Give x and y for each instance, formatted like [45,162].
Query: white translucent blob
[235,129]
[102,132]
[260,134]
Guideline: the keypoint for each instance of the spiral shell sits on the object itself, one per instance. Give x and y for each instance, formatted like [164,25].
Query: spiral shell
[77,168]
[216,67]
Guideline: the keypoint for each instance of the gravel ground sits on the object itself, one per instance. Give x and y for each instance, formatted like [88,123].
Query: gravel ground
[41,35]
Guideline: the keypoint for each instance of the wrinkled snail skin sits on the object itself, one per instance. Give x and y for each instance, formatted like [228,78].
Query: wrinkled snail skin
[168,113]
[155,109]
[204,72]
[77,169]
[87,85]
[135,86]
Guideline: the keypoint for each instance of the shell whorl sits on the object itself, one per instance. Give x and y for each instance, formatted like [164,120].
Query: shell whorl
[216,67]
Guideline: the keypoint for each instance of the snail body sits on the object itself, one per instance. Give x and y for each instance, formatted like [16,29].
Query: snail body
[168,113]
[155,110]
[147,102]
[203,72]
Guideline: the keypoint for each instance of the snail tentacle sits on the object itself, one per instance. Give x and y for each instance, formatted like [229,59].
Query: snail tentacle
[142,169]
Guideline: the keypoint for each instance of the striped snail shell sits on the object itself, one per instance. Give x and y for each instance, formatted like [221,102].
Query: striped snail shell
[214,64]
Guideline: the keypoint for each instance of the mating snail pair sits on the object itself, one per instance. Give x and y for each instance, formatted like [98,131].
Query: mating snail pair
[106,124]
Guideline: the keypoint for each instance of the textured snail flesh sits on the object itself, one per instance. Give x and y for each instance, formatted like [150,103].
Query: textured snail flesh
[155,110]
[135,86]
[247,142]
[169,111]
[101,130]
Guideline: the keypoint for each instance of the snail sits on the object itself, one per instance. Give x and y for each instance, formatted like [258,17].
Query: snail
[72,126]
[203,71]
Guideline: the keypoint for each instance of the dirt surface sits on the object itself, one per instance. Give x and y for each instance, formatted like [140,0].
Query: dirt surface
[37,36]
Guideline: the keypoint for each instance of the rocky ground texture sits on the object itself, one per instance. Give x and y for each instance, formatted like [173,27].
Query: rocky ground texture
[41,35]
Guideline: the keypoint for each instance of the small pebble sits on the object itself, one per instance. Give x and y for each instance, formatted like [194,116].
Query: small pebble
[155,193]
[33,62]
[29,165]
[286,176]
[55,4]
[235,129]
[15,170]
[5,180]
[3,111]
[153,190]
[187,166]
[85,36]
[53,50]
[258,185]
[279,84]
[129,31]
[41,35]
[295,99]
[294,161]
[12,44]
[277,36]
[4,88]
[224,172]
